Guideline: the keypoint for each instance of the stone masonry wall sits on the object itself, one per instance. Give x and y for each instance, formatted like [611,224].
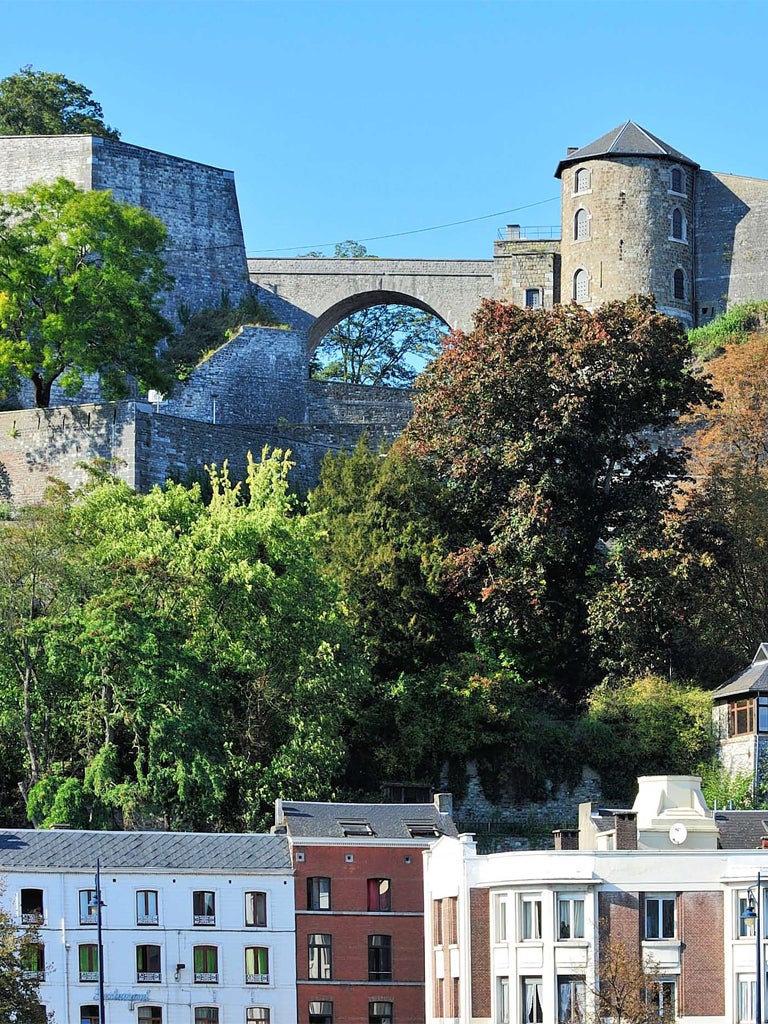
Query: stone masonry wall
[519,265]
[629,249]
[335,402]
[260,376]
[731,242]
[197,203]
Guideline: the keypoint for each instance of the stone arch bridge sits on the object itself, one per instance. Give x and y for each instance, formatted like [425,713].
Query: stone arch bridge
[313,295]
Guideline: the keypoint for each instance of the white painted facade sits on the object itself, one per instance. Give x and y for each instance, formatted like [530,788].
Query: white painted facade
[537,932]
[182,993]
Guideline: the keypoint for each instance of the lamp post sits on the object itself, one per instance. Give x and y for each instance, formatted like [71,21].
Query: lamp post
[753,913]
[98,904]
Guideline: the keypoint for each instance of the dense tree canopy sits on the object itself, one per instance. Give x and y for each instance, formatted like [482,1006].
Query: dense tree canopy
[548,428]
[166,662]
[45,103]
[80,278]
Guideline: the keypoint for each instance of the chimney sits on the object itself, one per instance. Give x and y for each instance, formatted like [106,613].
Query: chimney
[513,232]
[573,149]
[566,838]
[279,816]
[444,803]
[626,830]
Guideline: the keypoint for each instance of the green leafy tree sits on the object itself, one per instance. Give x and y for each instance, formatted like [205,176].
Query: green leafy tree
[645,726]
[379,345]
[45,103]
[202,666]
[19,999]
[549,429]
[80,275]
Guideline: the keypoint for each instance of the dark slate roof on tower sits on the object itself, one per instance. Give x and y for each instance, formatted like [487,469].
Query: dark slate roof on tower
[306,820]
[751,680]
[628,139]
[71,849]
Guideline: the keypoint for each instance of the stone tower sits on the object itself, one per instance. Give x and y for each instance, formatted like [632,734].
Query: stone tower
[628,204]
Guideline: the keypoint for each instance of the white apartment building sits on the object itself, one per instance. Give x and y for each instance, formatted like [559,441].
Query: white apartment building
[516,938]
[196,929]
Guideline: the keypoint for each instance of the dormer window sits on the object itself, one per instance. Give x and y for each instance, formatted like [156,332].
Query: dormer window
[356,828]
[423,830]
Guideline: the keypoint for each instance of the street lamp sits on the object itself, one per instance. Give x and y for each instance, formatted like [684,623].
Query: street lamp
[98,903]
[752,913]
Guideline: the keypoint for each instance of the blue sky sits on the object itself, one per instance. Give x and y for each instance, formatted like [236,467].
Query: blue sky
[362,118]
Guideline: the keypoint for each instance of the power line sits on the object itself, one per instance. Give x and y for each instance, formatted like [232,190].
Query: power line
[416,231]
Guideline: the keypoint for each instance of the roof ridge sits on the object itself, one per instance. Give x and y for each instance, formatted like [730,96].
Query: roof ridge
[650,138]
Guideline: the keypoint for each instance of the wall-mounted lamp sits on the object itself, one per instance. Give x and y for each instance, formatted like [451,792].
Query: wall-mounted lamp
[179,969]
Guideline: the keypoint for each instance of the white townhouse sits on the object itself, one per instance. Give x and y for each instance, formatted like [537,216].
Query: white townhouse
[196,928]
[516,938]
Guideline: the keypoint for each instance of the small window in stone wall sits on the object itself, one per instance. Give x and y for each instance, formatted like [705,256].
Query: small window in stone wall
[678,284]
[533,298]
[581,225]
[581,180]
[678,225]
[677,180]
[741,717]
[581,285]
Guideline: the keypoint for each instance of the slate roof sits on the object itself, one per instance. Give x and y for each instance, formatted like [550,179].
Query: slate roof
[742,830]
[753,679]
[387,821]
[62,849]
[628,139]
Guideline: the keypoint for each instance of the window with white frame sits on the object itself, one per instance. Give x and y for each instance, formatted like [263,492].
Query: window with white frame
[500,906]
[581,285]
[148,963]
[150,1014]
[660,917]
[88,908]
[745,927]
[530,917]
[89,1014]
[319,966]
[571,993]
[204,908]
[88,961]
[581,180]
[580,225]
[257,965]
[33,962]
[318,893]
[256,910]
[206,959]
[257,1013]
[678,225]
[570,916]
[502,1000]
[206,1015]
[745,999]
[31,906]
[146,907]
[661,998]
[532,1005]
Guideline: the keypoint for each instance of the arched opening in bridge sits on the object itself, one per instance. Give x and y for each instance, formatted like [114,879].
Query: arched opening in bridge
[375,338]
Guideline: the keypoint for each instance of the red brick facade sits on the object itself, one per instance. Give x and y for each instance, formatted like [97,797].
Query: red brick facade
[702,988]
[619,919]
[350,923]
[480,938]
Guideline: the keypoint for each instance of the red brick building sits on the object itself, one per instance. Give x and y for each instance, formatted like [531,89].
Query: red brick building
[360,907]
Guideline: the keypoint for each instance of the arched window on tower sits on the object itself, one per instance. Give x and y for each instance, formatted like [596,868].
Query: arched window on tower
[679,226]
[581,285]
[581,225]
[678,284]
[581,180]
[677,180]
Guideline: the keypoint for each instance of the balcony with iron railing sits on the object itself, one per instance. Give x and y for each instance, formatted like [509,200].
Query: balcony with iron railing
[205,919]
[207,977]
[257,979]
[148,976]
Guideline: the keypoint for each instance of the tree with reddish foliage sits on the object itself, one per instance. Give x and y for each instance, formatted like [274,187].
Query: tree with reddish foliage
[551,430]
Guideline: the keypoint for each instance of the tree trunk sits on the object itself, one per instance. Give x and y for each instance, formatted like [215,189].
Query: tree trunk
[42,390]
